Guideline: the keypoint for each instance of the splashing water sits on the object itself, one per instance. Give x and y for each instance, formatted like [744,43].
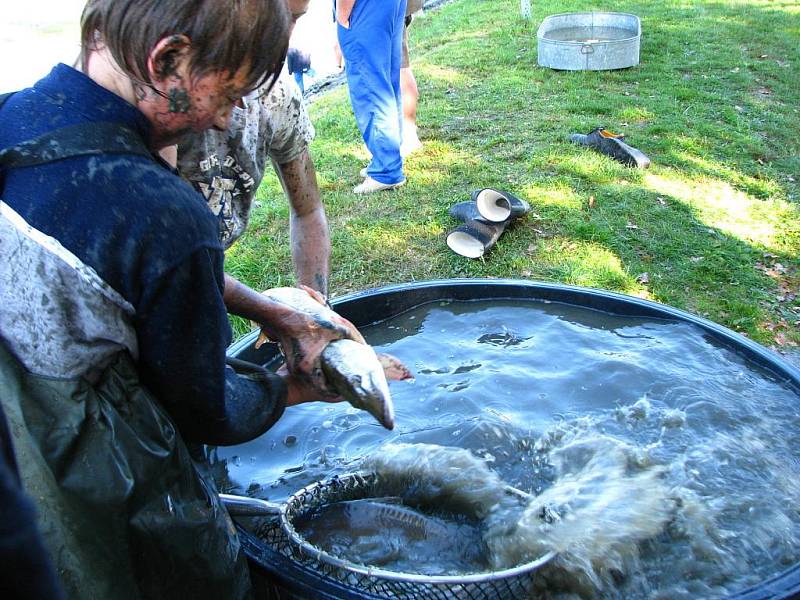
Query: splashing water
[600,506]
[594,514]
[441,476]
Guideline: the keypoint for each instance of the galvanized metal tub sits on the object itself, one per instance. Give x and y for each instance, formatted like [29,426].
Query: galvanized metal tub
[592,41]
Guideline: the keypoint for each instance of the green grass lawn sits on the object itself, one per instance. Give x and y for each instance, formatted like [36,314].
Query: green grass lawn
[713,227]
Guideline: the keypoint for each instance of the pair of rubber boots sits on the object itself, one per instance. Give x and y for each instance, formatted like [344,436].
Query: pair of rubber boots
[613,145]
[485,217]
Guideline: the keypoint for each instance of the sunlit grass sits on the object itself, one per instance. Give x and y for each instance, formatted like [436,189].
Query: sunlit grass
[713,227]
[588,264]
[719,205]
[440,75]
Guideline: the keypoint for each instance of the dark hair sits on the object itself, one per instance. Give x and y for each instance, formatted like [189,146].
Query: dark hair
[225,34]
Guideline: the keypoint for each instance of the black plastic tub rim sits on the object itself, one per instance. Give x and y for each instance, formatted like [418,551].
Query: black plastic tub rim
[375,305]
[372,306]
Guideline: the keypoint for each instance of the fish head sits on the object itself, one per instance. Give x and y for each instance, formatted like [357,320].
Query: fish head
[373,393]
[353,371]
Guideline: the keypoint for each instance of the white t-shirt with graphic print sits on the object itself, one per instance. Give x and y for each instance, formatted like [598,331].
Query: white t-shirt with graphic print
[227,166]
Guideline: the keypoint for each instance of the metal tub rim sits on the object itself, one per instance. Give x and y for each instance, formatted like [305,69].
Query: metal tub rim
[540,33]
[589,55]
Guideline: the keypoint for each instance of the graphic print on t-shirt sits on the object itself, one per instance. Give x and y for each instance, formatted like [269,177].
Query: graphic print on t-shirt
[232,182]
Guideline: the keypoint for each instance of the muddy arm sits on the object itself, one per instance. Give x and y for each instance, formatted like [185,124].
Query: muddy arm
[308,226]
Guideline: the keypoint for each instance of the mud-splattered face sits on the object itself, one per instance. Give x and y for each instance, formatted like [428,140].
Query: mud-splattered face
[178,102]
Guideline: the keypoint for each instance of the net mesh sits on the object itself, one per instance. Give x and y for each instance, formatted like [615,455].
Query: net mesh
[280,536]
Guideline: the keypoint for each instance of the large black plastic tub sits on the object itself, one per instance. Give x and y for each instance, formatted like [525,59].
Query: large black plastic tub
[275,576]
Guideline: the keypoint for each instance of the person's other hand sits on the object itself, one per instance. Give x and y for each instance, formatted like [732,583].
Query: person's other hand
[337,53]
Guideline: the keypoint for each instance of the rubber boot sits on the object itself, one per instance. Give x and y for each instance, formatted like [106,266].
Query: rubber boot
[465,211]
[497,205]
[476,235]
[612,144]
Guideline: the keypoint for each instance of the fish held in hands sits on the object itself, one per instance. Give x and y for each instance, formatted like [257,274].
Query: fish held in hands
[351,368]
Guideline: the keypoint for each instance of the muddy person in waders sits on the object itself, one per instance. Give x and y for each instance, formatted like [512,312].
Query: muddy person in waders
[113,328]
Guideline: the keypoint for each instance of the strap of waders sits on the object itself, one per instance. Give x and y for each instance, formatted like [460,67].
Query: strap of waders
[83,139]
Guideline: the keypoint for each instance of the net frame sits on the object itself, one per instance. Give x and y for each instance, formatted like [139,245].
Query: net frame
[279,533]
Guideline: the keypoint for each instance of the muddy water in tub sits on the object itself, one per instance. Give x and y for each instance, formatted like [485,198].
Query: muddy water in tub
[660,465]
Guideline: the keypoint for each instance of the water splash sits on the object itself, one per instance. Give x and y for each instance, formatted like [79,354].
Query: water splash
[429,475]
[600,506]
[723,433]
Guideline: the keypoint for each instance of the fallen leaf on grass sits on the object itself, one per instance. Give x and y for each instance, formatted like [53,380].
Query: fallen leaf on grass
[775,272]
[643,278]
[591,201]
[631,226]
[782,340]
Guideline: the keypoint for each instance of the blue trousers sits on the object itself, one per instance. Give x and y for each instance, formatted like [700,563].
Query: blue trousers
[372,49]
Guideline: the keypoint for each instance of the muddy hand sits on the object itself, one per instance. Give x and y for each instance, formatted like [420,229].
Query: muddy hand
[305,329]
[355,334]
[347,329]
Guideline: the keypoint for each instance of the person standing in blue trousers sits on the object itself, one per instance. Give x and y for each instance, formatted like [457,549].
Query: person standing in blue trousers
[370,35]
